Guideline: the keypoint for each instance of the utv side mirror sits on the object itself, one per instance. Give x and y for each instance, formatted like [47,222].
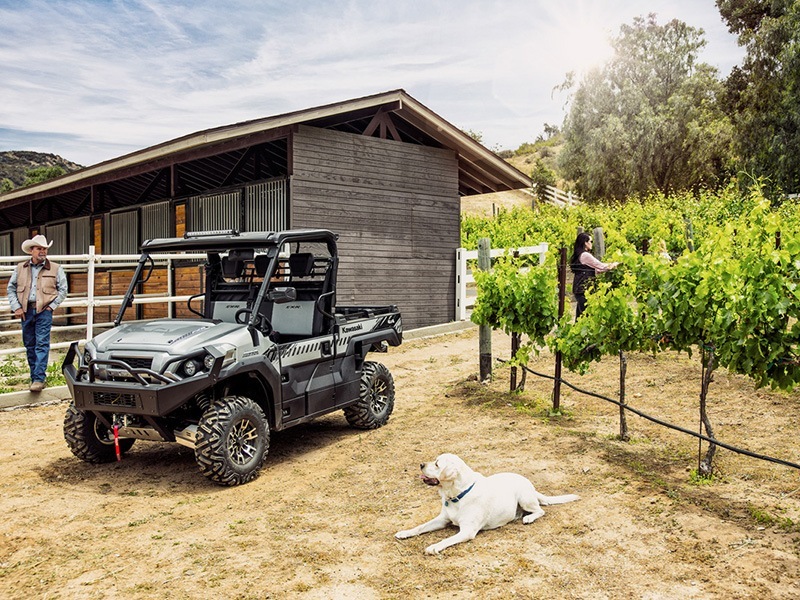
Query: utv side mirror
[282,295]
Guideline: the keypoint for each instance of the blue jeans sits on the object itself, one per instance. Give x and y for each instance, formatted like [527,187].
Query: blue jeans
[36,337]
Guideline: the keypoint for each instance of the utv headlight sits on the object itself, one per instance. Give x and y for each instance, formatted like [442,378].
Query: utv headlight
[190,367]
[208,362]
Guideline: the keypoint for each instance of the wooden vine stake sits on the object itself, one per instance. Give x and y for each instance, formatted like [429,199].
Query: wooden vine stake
[516,342]
[562,291]
[485,331]
[599,250]
[623,422]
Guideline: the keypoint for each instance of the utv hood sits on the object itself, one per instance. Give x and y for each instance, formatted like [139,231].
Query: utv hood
[174,336]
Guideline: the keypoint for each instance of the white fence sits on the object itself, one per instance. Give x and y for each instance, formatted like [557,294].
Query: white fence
[561,198]
[465,289]
[88,263]
[558,197]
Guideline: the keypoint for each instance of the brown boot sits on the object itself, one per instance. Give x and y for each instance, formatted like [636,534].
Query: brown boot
[37,386]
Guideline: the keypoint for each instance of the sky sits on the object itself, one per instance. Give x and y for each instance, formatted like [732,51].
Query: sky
[92,80]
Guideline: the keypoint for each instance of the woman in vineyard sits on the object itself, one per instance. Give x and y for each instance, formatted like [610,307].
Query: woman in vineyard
[585,266]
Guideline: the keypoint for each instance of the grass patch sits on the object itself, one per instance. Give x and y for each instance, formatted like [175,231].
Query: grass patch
[15,373]
[697,478]
[766,519]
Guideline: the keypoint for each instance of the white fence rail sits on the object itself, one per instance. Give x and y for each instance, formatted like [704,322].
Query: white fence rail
[561,198]
[88,263]
[465,281]
[558,197]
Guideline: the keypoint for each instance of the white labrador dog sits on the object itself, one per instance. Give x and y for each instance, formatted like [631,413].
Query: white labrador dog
[474,502]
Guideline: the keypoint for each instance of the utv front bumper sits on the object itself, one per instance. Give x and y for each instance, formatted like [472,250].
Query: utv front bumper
[149,393]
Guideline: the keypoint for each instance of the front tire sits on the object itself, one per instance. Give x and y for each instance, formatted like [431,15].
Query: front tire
[376,398]
[89,439]
[232,441]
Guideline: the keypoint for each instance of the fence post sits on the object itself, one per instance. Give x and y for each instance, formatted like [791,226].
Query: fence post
[623,422]
[485,331]
[90,294]
[515,343]
[689,234]
[461,285]
[562,292]
[170,288]
[599,244]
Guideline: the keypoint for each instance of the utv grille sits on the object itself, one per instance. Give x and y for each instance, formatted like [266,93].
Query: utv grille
[135,362]
[114,399]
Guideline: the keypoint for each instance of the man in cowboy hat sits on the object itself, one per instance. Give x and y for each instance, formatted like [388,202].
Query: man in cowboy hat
[35,290]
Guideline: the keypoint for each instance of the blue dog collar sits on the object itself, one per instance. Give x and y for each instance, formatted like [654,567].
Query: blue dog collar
[460,496]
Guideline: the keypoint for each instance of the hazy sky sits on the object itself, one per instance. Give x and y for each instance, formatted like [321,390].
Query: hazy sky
[91,80]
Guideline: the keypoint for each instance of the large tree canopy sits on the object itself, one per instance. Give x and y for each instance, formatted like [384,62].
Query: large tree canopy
[764,94]
[650,118]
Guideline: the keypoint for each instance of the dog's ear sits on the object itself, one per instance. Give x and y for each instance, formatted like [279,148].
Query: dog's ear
[448,471]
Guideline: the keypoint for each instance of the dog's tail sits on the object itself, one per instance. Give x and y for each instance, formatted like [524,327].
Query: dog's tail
[547,500]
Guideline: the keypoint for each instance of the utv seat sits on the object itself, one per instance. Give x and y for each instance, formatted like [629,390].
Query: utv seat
[301,318]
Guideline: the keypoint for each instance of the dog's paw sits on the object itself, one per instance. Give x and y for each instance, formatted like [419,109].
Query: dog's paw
[406,533]
[433,550]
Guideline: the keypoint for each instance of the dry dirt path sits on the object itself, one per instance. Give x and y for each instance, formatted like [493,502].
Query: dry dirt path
[319,522]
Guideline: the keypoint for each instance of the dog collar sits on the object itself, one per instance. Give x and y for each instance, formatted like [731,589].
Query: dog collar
[460,496]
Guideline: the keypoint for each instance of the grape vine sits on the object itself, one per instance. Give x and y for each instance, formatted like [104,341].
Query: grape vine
[735,297]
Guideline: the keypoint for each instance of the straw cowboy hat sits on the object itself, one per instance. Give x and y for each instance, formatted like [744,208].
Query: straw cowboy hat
[37,240]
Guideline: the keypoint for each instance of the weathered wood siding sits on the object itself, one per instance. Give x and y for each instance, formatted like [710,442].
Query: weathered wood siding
[396,209]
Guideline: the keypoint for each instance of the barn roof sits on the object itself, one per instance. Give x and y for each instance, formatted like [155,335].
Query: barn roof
[393,115]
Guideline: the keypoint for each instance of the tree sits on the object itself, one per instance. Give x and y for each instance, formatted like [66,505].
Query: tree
[41,174]
[6,185]
[542,176]
[650,118]
[475,135]
[762,95]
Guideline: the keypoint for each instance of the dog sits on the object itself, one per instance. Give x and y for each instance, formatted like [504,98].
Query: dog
[473,502]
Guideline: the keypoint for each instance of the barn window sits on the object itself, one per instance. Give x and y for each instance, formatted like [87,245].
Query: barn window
[155,221]
[217,212]
[58,235]
[80,235]
[5,244]
[123,237]
[18,235]
[266,206]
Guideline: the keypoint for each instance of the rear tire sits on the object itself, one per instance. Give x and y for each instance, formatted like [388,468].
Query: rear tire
[232,441]
[376,398]
[89,439]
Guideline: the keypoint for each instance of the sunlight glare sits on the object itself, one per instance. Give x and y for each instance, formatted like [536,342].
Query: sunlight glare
[585,46]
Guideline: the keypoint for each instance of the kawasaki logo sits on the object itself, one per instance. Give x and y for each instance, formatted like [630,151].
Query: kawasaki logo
[352,328]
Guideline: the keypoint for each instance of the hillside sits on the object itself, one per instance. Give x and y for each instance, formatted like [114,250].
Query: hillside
[15,163]
[537,160]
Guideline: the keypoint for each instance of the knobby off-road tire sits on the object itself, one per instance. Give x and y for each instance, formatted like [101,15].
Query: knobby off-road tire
[89,439]
[232,441]
[376,398]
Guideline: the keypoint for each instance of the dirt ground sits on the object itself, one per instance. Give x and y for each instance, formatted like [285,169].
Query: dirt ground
[319,523]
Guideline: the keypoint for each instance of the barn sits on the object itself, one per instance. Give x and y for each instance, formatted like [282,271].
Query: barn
[384,172]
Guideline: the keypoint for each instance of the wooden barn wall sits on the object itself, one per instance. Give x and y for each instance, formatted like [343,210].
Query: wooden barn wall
[396,209]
